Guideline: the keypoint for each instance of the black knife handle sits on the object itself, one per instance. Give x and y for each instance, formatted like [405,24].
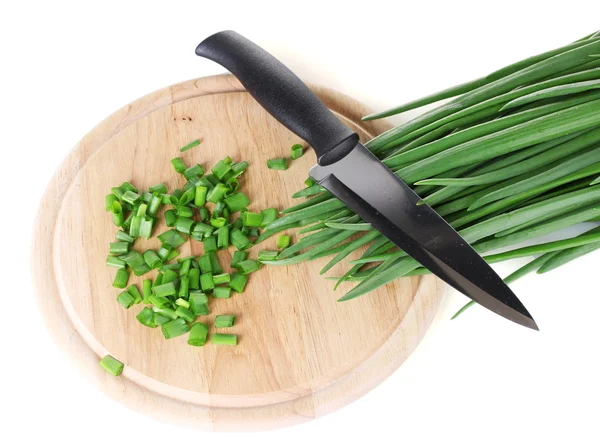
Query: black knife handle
[281,93]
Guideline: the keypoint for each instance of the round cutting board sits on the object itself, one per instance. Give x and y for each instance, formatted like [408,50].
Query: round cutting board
[300,353]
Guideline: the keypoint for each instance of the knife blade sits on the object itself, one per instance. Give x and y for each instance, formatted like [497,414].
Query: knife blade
[354,175]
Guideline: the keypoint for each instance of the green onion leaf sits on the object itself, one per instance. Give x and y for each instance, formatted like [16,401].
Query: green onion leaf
[236,202]
[190,146]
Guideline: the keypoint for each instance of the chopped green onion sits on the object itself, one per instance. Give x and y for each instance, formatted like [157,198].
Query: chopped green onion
[136,224]
[203,229]
[152,259]
[210,245]
[297,151]
[217,193]
[187,197]
[238,168]
[185,314]
[158,279]
[135,293]
[283,241]
[141,210]
[223,238]
[160,319]
[169,275]
[130,197]
[124,236]
[117,192]
[164,251]
[239,240]
[146,317]
[112,365]
[218,222]
[118,248]
[170,218]
[198,334]
[236,202]
[172,238]
[178,165]
[175,328]
[277,164]
[253,232]
[158,189]
[182,302]
[146,290]
[185,267]
[136,262]
[224,321]
[222,292]
[195,171]
[184,225]
[251,219]
[125,299]
[267,255]
[165,290]
[238,282]
[169,312]
[206,281]
[268,216]
[224,339]
[214,261]
[184,287]
[194,277]
[159,302]
[146,228]
[127,223]
[200,195]
[113,261]
[109,199]
[309,182]
[121,278]
[190,146]
[117,213]
[205,264]
[221,169]
[126,186]
[238,256]
[155,203]
[173,266]
[199,303]
[203,213]
[172,255]
[147,197]
[221,278]
[248,266]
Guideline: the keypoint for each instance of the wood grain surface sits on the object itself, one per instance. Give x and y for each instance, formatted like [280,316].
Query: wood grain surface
[300,353]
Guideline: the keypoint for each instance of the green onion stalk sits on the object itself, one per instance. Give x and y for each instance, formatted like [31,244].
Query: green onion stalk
[512,156]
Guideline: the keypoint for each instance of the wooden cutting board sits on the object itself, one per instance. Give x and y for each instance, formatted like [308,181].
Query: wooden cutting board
[300,354]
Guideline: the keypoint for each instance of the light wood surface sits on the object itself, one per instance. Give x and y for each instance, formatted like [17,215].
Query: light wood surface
[300,354]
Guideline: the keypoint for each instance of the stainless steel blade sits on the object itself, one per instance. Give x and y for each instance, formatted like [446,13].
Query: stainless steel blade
[380,198]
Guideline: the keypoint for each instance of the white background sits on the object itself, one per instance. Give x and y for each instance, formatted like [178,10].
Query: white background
[68,65]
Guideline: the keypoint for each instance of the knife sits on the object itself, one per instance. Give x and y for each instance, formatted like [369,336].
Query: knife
[354,175]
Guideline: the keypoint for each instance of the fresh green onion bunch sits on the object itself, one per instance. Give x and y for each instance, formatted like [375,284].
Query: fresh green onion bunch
[514,155]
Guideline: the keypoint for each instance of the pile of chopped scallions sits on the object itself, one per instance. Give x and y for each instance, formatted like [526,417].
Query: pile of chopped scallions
[515,155]
[183,287]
